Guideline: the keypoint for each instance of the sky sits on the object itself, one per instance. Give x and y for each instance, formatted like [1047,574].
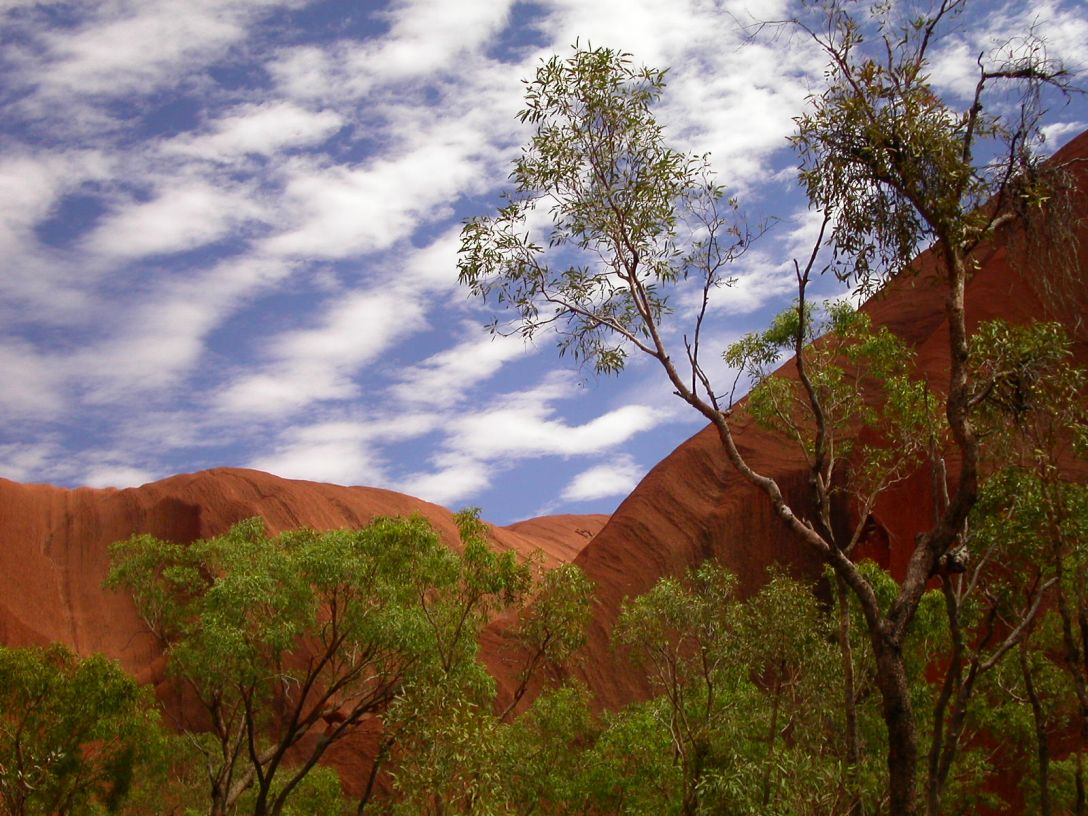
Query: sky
[229,232]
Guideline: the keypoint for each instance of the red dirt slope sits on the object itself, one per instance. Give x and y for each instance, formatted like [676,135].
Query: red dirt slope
[54,544]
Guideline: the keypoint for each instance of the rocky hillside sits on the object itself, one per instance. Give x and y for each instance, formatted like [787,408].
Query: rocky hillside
[54,544]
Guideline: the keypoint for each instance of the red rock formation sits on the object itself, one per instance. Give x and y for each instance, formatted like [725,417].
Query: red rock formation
[54,544]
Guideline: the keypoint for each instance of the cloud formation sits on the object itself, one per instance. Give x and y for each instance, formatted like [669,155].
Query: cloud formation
[230,232]
[606,480]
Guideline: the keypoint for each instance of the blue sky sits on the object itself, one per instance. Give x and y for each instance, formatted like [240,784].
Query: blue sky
[228,231]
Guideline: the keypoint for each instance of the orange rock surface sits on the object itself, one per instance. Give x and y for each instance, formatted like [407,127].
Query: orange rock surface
[54,544]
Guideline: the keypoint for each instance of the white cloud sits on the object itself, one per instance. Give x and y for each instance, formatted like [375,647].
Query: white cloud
[343,452]
[33,383]
[1055,135]
[12,5]
[447,375]
[29,187]
[426,38]
[36,283]
[135,47]
[159,342]
[435,265]
[22,461]
[320,363]
[260,129]
[616,478]
[49,460]
[530,432]
[440,137]
[306,72]
[457,477]
[758,279]
[652,31]
[764,274]
[954,67]
[523,424]
[336,211]
[116,475]
[162,338]
[175,221]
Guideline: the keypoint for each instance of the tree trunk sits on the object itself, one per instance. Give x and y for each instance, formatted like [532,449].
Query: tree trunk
[952,680]
[772,735]
[1042,747]
[891,678]
[372,777]
[856,806]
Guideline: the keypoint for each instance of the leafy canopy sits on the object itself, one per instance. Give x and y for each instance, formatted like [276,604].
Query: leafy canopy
[629,215]
[74,734]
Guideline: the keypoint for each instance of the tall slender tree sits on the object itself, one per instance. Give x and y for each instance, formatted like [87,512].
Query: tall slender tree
[889,163]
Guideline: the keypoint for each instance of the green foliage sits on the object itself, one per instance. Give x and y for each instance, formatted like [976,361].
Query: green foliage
[749,698]
[179,786]
[1008,711]
[447,761]
[631,768]
[630,216]
[927,641]
[280,636]
[75,735]
[682,633]
[544,761]
[551,628]
[678,631]
[1029,407]
[893,162]
[232,609]
[454,754]
[465,592]
[318,794]
[1028,398]
[861,378]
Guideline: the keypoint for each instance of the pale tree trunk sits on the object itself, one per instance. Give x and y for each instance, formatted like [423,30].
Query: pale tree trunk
[856,806]
[1042,746]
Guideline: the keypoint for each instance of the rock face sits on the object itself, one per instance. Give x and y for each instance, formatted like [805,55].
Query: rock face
[693,504]
[54,544]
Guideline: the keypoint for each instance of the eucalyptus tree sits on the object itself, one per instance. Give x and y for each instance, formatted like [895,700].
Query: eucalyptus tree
[280,637]
[75,735]
[683,633]
[1033,511]
[446,736]
[289,642]
[889,163]
[747,696]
